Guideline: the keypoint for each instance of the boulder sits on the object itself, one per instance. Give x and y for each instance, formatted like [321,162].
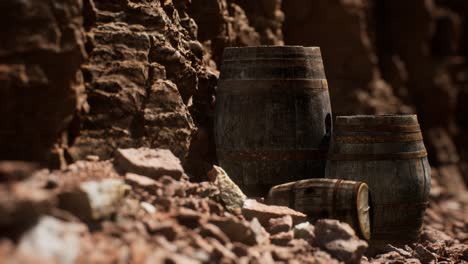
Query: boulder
[153,163]
[229,192]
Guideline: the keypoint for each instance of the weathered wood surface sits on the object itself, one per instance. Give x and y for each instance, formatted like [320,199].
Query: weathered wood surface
[347,201]
[386,152]
[273,116]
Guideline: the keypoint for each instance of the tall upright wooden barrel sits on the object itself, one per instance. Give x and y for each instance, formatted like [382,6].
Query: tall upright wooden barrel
[386,152]
[347,201]
[272,116]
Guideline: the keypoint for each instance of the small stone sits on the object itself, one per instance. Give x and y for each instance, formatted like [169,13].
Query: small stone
[171,187]
[349,251]
[282,253]
[220,252]
[92,158]
[149,208]
[94,200]
[53,239]
[282,239]
[237,230]
[278,225]
[153,163]
[433,235]
[400,251]
[167,229]
[327,230]
[305,231]
[261,236]
[16,170]
[240,249]
[187,217]
[340,240]
[229,192]
[424,255]
[210,230]
[139,180]
[394,257]
[264,213]
[21,206]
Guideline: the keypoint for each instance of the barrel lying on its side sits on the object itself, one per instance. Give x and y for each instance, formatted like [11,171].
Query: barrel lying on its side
[386,152]
[347,201]
[272,116]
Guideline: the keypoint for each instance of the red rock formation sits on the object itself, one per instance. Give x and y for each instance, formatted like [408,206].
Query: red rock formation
[41,50]
[339,29]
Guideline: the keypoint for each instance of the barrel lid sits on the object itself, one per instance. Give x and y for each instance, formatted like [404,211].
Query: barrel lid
[391,119]
[270,52]
[363,210]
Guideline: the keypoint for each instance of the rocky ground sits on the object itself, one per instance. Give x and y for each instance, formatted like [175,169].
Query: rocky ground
[141,207]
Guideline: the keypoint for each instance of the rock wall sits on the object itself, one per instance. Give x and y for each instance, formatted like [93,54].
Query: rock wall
[394,57]
[41,50]
[339,29]
[84,77]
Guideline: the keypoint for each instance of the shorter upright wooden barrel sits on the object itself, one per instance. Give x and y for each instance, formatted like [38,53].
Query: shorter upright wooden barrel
[387,152]
[347,201]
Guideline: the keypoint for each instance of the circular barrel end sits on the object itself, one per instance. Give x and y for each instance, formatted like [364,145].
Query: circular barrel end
[363,210]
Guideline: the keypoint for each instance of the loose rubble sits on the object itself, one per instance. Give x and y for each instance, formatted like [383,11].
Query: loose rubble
[141,218]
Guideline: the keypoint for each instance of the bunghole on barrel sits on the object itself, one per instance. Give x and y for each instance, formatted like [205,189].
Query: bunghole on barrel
[386,152]
[273,116]
[347,201]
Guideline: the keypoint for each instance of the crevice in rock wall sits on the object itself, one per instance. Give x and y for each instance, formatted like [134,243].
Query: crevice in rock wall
[339,29]
[425,38]
[267,18]
[393,56]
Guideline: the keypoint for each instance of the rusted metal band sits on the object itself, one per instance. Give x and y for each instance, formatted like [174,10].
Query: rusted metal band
[269,155]
[252,84]
[378,128]
[334,197]
[292,196]
[387,156]
[362,139]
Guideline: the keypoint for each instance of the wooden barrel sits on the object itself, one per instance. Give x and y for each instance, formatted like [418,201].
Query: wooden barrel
[272,116]
[386,152]
[347,201]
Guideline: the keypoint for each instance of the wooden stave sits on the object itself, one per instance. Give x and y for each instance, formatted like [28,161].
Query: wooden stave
[401,231]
